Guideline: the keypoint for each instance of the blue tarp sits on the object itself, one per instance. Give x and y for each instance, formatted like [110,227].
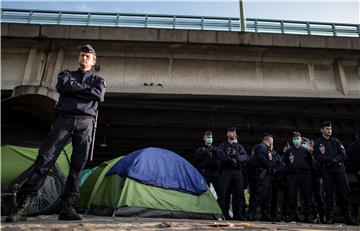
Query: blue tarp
[162,168]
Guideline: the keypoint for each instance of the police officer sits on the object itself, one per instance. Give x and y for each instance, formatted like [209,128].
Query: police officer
[80,91]
[277,185]
[316,189]
[233,159]
[207,162]
[298,162]
[329,152]
[263,163]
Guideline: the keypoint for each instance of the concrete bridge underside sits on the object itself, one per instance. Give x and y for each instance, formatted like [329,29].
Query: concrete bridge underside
[165,87]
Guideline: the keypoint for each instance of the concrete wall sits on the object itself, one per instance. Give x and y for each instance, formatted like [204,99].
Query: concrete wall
[185,62]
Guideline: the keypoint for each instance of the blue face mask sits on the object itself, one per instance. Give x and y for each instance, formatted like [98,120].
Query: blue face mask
[297,142]
[208,141]
[234,141]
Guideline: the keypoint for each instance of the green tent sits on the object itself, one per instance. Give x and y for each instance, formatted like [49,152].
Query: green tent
[16,162]
[114,195]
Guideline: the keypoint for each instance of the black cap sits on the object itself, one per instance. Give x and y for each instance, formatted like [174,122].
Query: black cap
[296,134]
[268,135]
[88,49]
[326,124]
[231,129]
[208,133]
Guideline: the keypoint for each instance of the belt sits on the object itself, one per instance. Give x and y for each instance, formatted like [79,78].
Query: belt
[62,114]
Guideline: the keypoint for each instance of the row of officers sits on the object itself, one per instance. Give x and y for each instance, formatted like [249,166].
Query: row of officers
[310,169]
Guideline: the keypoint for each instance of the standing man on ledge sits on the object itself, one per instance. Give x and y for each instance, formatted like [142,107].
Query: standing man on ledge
[80,91]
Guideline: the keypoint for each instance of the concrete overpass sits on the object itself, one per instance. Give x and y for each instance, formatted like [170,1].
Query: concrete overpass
[166,86]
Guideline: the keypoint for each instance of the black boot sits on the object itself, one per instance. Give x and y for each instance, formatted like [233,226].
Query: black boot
[330,218]
[349,220]
[68,212]
[19,213]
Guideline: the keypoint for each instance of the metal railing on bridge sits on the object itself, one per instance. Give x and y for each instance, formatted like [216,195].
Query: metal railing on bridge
[49,17]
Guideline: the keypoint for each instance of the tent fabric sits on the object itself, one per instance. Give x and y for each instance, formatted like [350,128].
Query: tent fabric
[103,192]
[162,168]
[85,173]
[15,160]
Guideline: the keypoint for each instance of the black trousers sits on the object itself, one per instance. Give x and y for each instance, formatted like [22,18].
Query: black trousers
[261,194]
[211,176]
[335,178]
[79,128]
[317,195]
[231,183]
[298,182]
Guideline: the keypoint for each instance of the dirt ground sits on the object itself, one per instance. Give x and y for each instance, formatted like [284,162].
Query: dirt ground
[90,222]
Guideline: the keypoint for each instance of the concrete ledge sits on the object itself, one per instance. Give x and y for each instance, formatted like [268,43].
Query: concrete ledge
[338,43]
[23,30]
[227,38]
[182,36]
[55,31]
[196,36]
[285,40]
[312,41]
[84,32]
[4,29]
[173,36]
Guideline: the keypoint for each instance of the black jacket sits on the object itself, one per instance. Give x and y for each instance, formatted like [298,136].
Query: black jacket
[329,153]
[262,157]
[80,93]
[298,159]
[206,158]
[232,156]
[354,155]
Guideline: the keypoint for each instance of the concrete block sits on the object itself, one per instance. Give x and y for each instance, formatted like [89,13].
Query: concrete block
[223,37]
[355,43]
[51,31]
[261,39]
[245,38]
[339,42]
[173,35]
[286,40]
[312,41]
[4,29]
[23,30]
[110,33]
[151,34]
[84,32]
[202,36]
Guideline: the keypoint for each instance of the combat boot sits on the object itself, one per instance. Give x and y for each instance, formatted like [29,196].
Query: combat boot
[349,220]
[68,212]
[330,218]
[19,213]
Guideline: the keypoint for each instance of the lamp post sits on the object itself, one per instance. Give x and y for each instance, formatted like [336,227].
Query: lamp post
[242,16]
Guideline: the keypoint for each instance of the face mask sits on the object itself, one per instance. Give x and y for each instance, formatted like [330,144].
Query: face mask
[304,145]
[297,142]
[208,141]
[234,141]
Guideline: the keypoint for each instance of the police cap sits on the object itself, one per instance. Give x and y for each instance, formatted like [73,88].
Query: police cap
[326,124]
[88,49]
[231,129]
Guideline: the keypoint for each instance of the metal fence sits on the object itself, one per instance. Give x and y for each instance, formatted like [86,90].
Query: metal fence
[177,22]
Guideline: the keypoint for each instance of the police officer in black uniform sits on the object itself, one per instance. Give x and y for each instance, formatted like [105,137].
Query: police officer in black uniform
[277,185]
[80,91]
[233,159]
[329,152]
[263,163]
[207,162]
[298,162]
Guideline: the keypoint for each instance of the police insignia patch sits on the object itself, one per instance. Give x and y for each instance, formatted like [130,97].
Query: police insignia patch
[322,149]
[270,156]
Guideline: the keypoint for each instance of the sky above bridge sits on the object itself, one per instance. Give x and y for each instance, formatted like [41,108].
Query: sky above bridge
[347,11]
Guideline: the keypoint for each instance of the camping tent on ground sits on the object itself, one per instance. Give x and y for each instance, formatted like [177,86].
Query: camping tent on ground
[115,187]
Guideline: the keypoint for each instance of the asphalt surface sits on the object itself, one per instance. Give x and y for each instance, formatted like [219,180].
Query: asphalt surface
[101,223]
